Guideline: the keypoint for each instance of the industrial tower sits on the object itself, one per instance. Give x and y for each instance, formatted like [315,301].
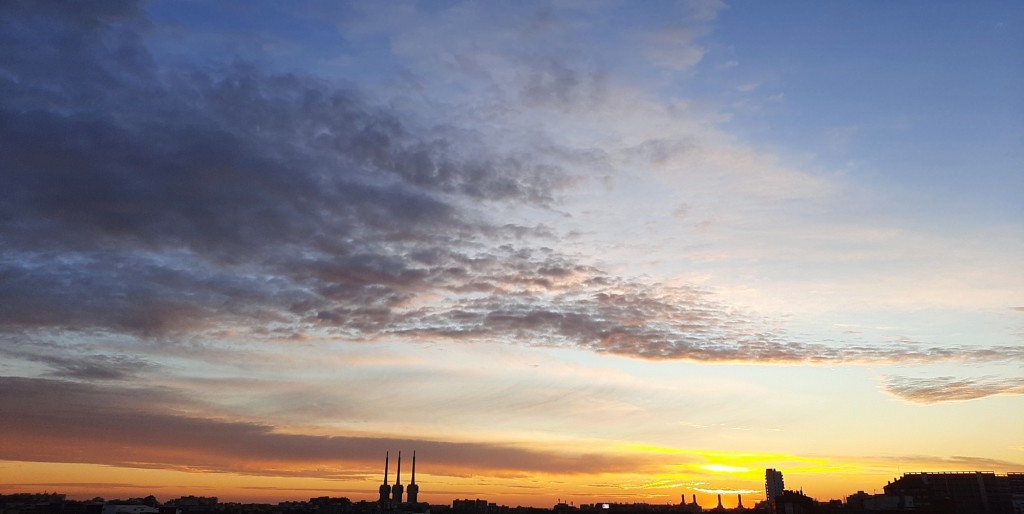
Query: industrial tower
[397,489]
[385,489]
[414,490]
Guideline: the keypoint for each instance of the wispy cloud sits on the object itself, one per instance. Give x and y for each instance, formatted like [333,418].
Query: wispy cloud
[60,421]
[940,463]
[675,48]
[726,491]
[948,389]
[85,367]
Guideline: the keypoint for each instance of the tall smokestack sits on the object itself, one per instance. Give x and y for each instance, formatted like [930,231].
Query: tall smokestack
[385,489]
[719,496]
[414,490]
[739,498]
[397,489]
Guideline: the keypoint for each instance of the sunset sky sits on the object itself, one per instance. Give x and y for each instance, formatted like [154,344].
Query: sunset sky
[582,250]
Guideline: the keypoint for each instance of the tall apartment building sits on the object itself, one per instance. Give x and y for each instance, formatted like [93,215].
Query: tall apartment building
[773,484]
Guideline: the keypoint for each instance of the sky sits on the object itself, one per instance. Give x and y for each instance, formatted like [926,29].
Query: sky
[588,251]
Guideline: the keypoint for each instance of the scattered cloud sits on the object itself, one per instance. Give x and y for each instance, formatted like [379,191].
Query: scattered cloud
[948,389]
[674,48]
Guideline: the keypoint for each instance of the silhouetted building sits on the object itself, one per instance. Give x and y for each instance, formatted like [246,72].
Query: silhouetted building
[194,504]
[961,492]
[773,483]
[1015,482]
[861,501]
[30,503]
[329,505]
[856,500]
[792,502]
[116,508]
[472,506]
[563,508]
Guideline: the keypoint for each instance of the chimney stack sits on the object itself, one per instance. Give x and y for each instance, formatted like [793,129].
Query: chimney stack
[397,489]
[385,489]
[414,490]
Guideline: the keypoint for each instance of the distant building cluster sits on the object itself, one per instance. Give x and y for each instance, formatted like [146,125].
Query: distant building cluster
[974,492]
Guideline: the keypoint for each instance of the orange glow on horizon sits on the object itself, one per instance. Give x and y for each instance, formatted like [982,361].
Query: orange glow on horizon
[540,490]
[686,472]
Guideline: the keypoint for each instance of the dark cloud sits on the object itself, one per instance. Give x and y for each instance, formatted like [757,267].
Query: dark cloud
[71,56]
[94,367]
[60,421]
[142,200]
[947,389]
[156,201]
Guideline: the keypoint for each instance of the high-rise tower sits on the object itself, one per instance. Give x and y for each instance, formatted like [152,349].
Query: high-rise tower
[397,489]
[773,483]
[385,489]
[414,490]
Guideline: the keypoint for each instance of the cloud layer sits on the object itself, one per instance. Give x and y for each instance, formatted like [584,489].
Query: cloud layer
[949,389]
[158,201]
[60,421]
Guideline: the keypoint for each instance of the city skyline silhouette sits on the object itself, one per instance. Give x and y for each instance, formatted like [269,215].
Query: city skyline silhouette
[922,492]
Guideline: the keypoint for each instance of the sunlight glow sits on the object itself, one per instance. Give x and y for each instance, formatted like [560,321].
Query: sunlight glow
[723,468]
